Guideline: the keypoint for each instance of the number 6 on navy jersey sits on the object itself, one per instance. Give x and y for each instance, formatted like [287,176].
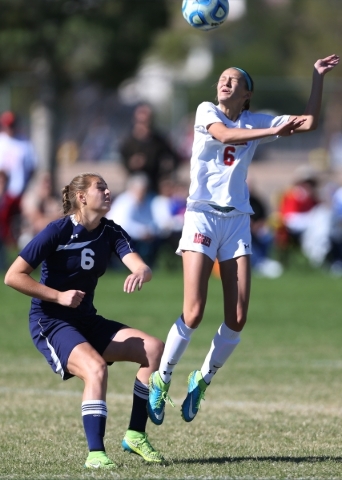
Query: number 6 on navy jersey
[87,262]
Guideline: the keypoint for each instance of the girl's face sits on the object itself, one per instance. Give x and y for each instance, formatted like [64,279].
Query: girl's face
[97,197]
[232,87]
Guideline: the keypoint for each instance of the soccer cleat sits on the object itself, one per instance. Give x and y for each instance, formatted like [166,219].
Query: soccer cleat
[97,460]
[196,390]
[158,394]
[137,442]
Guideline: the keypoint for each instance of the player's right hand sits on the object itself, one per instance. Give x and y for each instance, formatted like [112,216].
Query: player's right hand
[70,298]
[288,128]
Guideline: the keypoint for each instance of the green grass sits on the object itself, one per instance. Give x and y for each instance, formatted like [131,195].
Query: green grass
[273,411]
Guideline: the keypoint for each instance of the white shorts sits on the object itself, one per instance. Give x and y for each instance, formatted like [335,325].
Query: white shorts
[221,237]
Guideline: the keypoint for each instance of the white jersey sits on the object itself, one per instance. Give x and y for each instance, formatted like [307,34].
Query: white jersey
[219,170]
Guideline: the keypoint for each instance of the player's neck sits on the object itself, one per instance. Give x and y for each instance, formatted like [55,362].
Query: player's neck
[89,220]
[230,112]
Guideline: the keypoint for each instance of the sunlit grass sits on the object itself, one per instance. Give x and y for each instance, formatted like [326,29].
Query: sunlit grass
[273,411]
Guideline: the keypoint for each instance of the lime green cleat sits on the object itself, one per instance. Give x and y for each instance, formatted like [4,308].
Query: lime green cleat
[97,460]
[137,442]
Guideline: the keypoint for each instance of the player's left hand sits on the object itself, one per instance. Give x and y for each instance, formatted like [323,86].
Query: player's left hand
[141,272]
[133,281]
[324,65]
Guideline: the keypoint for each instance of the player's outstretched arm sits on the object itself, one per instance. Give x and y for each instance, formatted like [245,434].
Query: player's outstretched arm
[313,108]
[288,128]
[141,272]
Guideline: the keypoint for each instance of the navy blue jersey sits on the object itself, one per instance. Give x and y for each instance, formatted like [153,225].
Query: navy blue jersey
[73,259]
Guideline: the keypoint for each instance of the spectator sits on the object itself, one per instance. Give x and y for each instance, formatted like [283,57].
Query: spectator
[262,239]
[305,218]
[168,208]
[17,157]
[39,207]
[184,137]
[132,209]
[18,161]
[146,150]
[335,234]
[298,201]
[5,208]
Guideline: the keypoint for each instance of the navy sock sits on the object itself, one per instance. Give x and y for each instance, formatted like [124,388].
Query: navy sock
[94,414]
[139,409]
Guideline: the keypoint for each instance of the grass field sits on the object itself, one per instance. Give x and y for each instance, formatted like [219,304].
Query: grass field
[273,411]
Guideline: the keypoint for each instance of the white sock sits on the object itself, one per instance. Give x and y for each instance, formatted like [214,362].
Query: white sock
[222,347]
[176,343]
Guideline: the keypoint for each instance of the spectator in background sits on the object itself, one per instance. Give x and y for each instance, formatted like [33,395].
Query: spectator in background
[262,238]
[132,210]
[297,202]
[39,207]
[184,136]
[18,161]
[5,206]
[335,150]
[335,234]
[168,208]
[17,157]
[305,217]
[146,150]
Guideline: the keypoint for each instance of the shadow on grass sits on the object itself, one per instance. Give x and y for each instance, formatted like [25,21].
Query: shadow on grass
[219,460]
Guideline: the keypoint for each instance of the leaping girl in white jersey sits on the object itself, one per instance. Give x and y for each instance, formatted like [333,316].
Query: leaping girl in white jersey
[217,224]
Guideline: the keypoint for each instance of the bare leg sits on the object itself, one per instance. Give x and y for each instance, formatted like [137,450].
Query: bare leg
[235,275]
[128,345]
[236,283]
[89,366]
[197,270]
[133,345]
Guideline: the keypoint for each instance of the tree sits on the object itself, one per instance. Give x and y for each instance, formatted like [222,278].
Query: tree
[59,42]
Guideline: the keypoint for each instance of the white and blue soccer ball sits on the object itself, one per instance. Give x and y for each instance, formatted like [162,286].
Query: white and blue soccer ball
[205,14]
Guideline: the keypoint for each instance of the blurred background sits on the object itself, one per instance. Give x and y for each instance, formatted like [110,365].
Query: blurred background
[73,72]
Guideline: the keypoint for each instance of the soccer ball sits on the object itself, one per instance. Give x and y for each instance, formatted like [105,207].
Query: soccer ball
[205,14]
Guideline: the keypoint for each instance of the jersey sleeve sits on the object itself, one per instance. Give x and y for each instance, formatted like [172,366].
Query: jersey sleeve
[268,121]
[41,246]
[206,115]
[120,240]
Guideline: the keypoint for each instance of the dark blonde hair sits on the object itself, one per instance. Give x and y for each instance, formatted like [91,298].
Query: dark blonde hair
[80,183]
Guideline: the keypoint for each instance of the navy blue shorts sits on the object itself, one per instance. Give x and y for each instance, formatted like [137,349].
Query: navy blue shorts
[56,338]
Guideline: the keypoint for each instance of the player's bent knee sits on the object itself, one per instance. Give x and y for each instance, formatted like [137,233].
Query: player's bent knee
[154,351]
[97,370]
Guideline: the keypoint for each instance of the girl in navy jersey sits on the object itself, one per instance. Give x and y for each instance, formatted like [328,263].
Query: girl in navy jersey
[74,252]
[217,224]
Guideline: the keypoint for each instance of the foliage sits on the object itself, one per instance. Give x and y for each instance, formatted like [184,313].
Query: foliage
[64,40]
[51,45]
